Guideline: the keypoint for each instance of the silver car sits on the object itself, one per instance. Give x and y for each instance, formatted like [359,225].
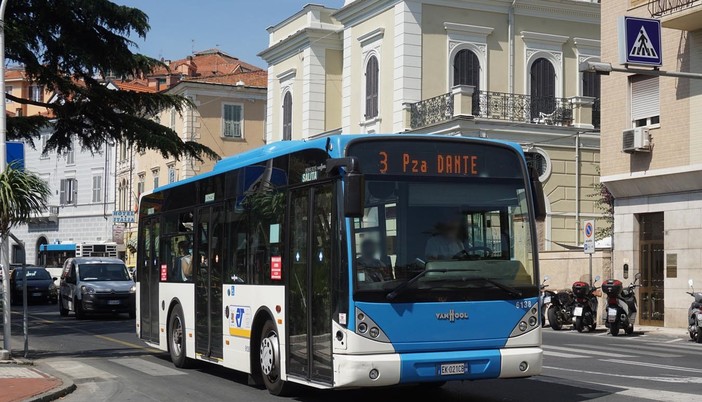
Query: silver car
[96,285]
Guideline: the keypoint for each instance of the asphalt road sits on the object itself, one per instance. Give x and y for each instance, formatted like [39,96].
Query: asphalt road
[108,363]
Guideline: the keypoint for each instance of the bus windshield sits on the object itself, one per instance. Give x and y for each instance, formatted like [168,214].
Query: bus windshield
[434,237]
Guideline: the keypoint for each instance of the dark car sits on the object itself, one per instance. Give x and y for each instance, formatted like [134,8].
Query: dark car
[40,285]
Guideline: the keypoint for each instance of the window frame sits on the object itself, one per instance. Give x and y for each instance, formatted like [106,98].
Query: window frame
[240,122]
[68,191]
[372,83]
[97,196]
[287,117]
[652,121]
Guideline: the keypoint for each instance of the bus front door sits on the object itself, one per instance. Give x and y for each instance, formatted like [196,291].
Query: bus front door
[309,283]
[208,282]
[148,275]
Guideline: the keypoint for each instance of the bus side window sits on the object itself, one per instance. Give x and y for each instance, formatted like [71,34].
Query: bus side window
[235,232]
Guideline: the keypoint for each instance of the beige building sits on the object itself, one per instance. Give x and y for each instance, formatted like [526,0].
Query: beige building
[228,116]
[497,69]
[656,178]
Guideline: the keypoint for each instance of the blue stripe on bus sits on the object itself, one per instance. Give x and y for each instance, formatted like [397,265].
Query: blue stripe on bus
[426,367]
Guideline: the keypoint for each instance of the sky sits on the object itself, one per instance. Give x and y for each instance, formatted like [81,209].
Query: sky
[237,27]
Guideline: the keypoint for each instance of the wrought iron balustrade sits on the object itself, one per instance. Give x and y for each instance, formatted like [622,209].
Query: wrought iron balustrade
[596,113]
[523,108]
[431,111]
[659,8]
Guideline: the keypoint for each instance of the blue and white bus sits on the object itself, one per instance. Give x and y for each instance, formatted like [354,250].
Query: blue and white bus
[348,261]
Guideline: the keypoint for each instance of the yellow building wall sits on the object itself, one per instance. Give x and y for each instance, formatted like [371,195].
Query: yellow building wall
[332,100]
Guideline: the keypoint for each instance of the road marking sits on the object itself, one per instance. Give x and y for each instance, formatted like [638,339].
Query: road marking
[674,340]
[78,370]
[680,347]
[564,355]
[640,393]
[674,380]
[147,367]
[661,366]
[633,349]
[591,352]
[18,372]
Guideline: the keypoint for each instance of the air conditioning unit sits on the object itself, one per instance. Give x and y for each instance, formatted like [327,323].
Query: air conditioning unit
[636,140]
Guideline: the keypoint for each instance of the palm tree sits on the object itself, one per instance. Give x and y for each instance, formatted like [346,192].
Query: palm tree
[22,194]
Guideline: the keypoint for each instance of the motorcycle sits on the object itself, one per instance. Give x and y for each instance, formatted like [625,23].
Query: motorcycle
[585,306]
[560,312]
[545,299]
[621,306]
[694,314]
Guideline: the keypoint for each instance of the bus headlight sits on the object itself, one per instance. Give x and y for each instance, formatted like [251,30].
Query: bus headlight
[362,327]
[374,332]
[367,328]
[522,326]
[132,289]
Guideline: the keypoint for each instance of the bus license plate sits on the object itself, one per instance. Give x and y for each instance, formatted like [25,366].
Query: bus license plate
[36,294]
[113,302]
[578,311]
[547,299]
[453,369]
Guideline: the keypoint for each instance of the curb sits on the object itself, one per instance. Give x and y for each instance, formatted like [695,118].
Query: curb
[67,386]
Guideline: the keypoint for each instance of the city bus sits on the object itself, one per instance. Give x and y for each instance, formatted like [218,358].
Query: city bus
[348,261]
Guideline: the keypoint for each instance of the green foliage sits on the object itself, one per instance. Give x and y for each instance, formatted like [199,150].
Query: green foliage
[604,201]
[22,194]
[70,47]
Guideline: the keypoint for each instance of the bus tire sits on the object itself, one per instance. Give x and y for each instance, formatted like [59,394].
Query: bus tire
[269,359]
[176,338]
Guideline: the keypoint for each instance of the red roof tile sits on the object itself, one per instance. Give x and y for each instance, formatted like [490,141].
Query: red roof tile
[255,79]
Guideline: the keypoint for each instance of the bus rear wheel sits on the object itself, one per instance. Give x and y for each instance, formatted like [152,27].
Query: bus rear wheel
[176,338]
[269,360]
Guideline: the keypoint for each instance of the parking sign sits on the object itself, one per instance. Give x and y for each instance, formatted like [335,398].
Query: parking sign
[589,236]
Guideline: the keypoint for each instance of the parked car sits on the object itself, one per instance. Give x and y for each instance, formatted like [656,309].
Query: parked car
[40,285]
[96,285]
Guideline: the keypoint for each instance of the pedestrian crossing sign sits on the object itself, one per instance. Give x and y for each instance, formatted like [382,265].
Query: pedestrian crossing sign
[640,41]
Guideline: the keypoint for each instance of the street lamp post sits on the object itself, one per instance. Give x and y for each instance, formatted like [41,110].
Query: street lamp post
[5,247]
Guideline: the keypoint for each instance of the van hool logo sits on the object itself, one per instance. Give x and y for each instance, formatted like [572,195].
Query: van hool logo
[452,316]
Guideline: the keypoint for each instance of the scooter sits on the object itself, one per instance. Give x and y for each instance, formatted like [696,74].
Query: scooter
[545,299]
[585,307]
[694,314]
[560,312]
[621,306]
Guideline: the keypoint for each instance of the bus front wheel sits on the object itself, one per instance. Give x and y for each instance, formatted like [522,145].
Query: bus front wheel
[269,359]
[176,338]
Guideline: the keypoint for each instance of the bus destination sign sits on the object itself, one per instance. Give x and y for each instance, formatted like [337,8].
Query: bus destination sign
[450,158]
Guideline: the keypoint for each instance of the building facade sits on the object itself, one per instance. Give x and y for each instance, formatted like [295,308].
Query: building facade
[227,115]
[656,182]
[494,69]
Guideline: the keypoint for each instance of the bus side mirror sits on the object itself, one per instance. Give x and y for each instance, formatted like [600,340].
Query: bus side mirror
[354,185]
[537,193]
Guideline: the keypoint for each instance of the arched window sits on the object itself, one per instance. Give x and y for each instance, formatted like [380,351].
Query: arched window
[372,88]
[287,116]
[543,87]
[466,71]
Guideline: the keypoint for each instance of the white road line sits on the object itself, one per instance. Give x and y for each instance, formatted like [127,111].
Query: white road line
[18,372]
[660,366]
[146,367]
[580,349]
[77,370]
[693,348]
[674,340]
[672,380]
[639,393]
[633,349]
[564,355]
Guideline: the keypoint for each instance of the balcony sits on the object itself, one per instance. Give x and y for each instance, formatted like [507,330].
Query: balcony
[50,214]
[464,103]
[685,15]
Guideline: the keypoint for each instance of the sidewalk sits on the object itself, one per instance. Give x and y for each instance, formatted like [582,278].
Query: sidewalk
[22,380]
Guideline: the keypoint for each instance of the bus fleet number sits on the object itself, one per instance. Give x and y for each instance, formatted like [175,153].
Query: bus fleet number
[524,304]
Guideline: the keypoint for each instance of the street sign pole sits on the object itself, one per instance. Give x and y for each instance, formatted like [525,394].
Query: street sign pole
[589,243]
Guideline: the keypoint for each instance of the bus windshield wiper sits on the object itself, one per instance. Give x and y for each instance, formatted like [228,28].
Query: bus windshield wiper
[401,287]
[500,285]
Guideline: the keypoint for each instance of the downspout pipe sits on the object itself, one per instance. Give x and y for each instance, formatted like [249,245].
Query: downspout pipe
[510,39]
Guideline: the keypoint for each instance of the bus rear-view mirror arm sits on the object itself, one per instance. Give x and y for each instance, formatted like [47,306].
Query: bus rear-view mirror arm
[537,193]
[354,184]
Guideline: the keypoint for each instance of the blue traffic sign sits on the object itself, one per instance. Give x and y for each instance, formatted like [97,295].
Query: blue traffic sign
[588,229]
[14,154]
[640,41]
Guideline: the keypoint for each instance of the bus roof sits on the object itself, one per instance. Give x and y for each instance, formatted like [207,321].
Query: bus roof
[281,148]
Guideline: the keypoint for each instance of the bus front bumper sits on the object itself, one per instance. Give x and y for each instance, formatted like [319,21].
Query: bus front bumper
[406,368]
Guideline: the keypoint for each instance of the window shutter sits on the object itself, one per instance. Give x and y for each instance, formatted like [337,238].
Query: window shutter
[645,98]
[287,117]
[372,88]
[236,121]
[75,191]
[62,191]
